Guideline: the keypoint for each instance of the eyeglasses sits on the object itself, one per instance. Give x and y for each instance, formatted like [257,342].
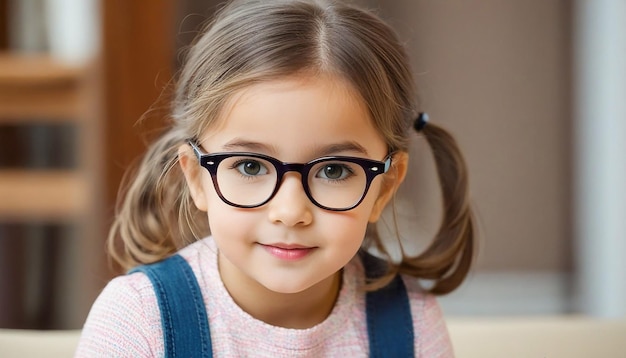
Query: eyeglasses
[249,180]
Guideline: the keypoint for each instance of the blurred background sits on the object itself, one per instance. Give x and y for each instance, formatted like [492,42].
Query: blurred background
[533,91]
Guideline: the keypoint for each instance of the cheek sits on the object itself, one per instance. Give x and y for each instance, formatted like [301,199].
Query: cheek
[367,205]
[219,213]
[346,229]
[225,220]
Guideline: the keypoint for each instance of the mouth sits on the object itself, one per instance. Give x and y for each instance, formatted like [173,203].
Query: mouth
[288,252]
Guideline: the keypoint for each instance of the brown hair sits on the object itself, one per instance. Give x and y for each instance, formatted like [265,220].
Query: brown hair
[254,41]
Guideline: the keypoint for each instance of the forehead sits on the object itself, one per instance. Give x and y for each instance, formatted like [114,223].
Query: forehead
[296,115]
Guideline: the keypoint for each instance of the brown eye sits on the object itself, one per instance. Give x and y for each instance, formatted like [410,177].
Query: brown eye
[251,168]
[334,172]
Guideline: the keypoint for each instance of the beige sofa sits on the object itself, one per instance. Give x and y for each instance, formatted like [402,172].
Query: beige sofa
[31,343]
[541,337]
[538,337]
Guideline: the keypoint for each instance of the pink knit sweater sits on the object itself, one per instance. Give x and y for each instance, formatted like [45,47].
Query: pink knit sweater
[125,320]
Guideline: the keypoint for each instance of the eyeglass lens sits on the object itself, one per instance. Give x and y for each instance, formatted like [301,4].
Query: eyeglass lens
[249,181]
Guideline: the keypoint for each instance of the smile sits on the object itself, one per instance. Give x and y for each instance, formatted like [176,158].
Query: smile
[288,252]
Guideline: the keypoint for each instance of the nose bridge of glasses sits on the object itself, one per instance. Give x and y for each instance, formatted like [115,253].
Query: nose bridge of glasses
[293,167]
[285,168]
[298,168]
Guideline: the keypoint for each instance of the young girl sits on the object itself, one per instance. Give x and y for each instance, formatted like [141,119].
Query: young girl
[291,123]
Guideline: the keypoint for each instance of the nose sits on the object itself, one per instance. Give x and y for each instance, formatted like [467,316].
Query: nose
[291,206]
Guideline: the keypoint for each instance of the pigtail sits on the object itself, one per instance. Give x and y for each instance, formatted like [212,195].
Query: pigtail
[448,259]
[154,216]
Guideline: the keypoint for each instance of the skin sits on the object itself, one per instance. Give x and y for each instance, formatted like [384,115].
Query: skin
[294,120]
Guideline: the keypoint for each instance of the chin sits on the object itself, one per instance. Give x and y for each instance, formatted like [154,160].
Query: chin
[283,287]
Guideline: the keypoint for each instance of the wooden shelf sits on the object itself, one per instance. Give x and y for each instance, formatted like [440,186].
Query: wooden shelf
[35,88]
[28,69]
[38,88]
[42,195]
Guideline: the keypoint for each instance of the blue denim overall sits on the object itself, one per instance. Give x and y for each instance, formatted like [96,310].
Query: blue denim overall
[186,326]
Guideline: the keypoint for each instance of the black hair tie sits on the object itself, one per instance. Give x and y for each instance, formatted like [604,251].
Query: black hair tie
[420,121]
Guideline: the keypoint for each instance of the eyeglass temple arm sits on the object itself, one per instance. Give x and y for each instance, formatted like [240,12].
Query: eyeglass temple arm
[388,163]
[195,148]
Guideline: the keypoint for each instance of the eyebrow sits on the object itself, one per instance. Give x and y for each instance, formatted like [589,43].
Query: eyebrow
[348,146]
[239,144]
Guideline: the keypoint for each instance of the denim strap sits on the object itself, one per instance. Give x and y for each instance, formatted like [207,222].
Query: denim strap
[186,326]
[389,321]
[183,315]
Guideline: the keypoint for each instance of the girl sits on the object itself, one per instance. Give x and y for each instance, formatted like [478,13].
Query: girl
[291,123]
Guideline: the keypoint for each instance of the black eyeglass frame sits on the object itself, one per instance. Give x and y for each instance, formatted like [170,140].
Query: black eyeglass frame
[372,169]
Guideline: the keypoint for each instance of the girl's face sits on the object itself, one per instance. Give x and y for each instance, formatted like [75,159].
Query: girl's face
[290,245]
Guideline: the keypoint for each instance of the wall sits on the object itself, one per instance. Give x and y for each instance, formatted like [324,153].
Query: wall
[496,73]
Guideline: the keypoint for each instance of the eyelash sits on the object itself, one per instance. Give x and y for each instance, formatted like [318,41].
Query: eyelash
[343,167]
[236,164]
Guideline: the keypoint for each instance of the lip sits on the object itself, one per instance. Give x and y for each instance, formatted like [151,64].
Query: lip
[288,252]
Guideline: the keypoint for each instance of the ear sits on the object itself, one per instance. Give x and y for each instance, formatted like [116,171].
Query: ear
[392,180]
[193,175]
